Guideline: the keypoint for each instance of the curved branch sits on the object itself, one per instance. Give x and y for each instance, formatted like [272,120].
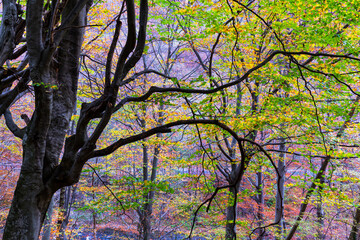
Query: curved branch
[135,57]
[8,98]
[10,79]
[161,129]
[238,80]
[18,132]
[112,49]
[136,75]
[130,41]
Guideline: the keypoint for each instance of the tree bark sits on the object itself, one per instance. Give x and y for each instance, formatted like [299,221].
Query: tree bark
[48,221]
[260,202]
[355,226]
[230,228]
[279,206]
[43,140]
[145,211]
[320,211]
[7,30]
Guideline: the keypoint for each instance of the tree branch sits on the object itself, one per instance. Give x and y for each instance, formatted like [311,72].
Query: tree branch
[18,132]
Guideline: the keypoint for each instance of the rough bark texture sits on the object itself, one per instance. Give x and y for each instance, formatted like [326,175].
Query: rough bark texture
[11,31]
[145,209]
[30,202]
[53,55]
[7,30]
[43,140]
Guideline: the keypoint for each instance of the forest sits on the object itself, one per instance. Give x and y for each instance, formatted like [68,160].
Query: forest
[179,119]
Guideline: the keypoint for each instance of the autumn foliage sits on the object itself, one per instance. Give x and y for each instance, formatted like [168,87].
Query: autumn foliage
[239,121]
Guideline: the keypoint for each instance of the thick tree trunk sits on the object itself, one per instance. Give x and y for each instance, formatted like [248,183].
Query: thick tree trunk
[30,203]
[31,200]
[44,138]
[28,208]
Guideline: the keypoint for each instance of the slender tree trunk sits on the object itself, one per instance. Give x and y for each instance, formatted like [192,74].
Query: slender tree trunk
[355,226]
[48,221]
[320,211]
[260,198]
[280,193]
[93,195]
[145,211]
[148,206]
[145,224]
[230,228]
[61,217]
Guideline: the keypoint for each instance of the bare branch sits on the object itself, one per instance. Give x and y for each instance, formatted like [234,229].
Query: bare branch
[18,132]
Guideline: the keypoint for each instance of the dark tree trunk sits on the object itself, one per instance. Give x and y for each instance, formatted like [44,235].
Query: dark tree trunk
[280,191]
[7,30]
[31,200]
[320,211]
[53,52]
[230,228]
[260,202]
[149,198]
[355,226]
[43,141]
[28,207]
[145,211]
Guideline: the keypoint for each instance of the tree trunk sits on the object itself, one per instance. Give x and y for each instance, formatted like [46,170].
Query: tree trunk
[320,211]
[355,226]
[7,30]
[28,207]
[44,138]
[279,206]
[230,228]
[145,214]
[149,198]
[260,202]
[48,221]
[31,200]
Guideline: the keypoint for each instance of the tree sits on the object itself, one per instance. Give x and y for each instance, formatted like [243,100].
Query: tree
[54,34]
[230,68]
